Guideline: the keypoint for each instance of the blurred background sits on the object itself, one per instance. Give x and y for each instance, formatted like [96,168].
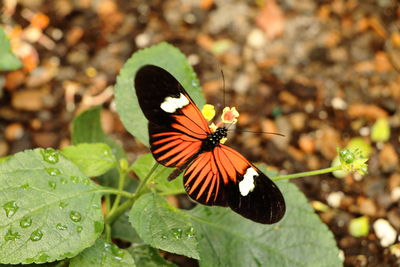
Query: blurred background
[326,74]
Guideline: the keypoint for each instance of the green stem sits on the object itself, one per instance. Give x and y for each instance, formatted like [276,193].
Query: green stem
[303,174]
[121,181]
[114,214]
[108,233]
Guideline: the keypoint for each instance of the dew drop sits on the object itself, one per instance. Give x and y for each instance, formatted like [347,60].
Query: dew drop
[53,171]
[11,235]
[36,235]
[75,179]
[79,229]
[75,216]
[11,208]
[29,260]
[52,185]
[25,222]
[43,257]
[177,233]
[164,236]
[195,83]
[25,186]
[50,155]
[98,226]
[95,206]
[64,181]
[189,232]
[85,181]
[61,227]
[62,205]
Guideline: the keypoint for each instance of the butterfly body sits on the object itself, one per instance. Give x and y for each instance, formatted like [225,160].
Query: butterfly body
[180,137]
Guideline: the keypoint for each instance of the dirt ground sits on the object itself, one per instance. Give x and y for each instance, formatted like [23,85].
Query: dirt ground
[320,72]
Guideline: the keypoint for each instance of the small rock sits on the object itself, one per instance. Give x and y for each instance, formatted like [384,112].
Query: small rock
[334,199]
[327,140]
[241,84]
[388,158]
[27,100]
[367,206]
[307,143]
[3,148]
[14,79]
[45,139]
[385,232]
[256,39]
[297,120]
[14,131]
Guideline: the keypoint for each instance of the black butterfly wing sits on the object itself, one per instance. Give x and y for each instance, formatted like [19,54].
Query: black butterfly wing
[176,125]
[224,177]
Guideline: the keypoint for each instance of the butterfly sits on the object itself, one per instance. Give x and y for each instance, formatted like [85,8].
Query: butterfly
[180,137]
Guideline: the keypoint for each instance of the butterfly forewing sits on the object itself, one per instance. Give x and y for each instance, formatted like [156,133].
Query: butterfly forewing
[216,175]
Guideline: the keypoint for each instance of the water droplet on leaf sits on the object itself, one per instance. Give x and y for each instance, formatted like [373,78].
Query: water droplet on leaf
[64,181]
[53,171]
[36,235]
[52,185]
[11,235]
[189,232]
[79,229]
[50,155]
[177,233]
[75,216]
[11,208]
[25,222]
[75,179]
[25,186]
[61,227]
[62,205]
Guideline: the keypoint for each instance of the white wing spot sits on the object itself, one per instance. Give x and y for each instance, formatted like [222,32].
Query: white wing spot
[171,104]
[247,184]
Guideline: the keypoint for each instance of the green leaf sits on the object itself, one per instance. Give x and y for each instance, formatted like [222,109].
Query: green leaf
[50,209]
[299,239]
[103,254]
[86,128]
[142,167]
[380,131]
[147,256]
[163,226]
[93,159]
[122,229]
[8,61]
[165,56]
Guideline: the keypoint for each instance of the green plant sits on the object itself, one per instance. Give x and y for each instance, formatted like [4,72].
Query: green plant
[52,211]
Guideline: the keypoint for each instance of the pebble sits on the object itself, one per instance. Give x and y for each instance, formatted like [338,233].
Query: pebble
[14,79]
[334,199]
[388,158]
[307,143]
[29,99]
[14,131]
[297,120]
[256,39]
[385,232]
[45,139]
[3,148]
[241,84]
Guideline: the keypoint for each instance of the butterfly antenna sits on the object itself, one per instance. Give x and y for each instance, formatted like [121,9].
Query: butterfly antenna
[247,131]
[223,87]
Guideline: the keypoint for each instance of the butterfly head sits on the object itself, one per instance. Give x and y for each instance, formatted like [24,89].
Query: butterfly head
[214,139]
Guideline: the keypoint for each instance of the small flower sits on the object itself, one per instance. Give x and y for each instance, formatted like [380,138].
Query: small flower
[213,127]
[208,111]
[229,115]
[353,161]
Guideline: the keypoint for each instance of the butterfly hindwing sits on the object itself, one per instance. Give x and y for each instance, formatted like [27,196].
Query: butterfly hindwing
[224,177]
